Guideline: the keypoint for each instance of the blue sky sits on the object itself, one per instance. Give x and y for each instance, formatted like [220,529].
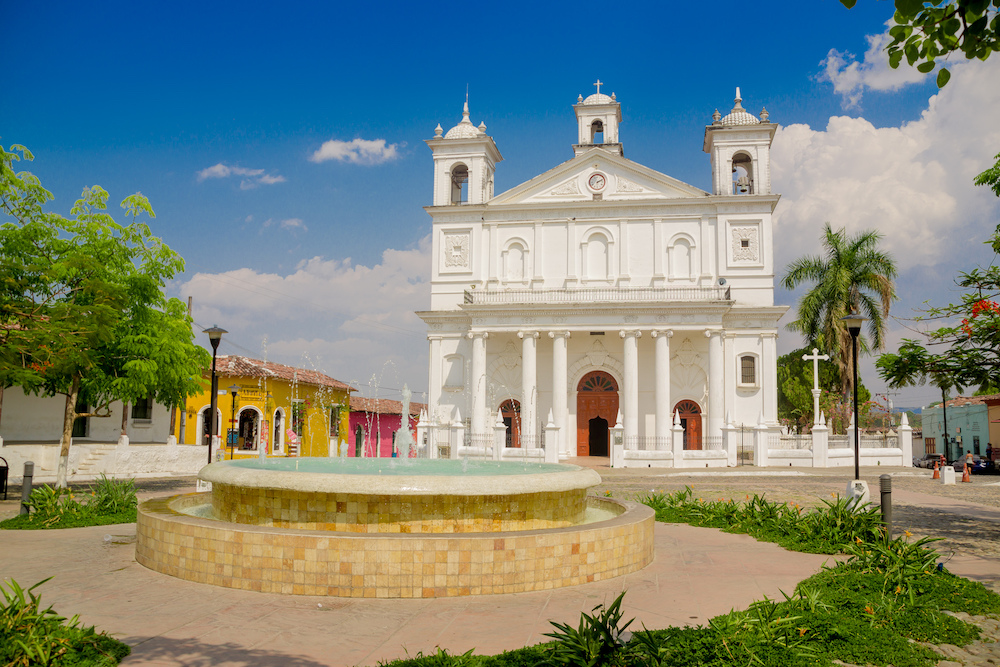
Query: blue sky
[213,111]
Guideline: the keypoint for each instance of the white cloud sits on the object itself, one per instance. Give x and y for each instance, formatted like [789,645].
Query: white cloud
[913,183]
[351,321]
[252,177]
[358,151]
[850,78]
[294,224]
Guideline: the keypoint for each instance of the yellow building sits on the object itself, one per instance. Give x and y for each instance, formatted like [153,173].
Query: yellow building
[288,411]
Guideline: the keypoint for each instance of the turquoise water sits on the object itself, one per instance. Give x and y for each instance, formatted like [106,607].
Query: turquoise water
[391,466]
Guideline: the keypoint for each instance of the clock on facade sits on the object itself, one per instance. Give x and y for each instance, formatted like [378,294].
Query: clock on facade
[597,182]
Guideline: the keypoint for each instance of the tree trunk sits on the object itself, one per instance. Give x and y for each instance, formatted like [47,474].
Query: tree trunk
[124,418]
[69,416]
[1,403]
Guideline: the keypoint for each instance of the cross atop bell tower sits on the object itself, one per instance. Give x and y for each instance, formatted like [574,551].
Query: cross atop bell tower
[598,118]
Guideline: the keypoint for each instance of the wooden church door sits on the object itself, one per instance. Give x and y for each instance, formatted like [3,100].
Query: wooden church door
[596,412]
[690,415]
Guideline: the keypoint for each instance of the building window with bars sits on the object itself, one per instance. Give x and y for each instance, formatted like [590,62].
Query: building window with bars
[748,371]
[142,410]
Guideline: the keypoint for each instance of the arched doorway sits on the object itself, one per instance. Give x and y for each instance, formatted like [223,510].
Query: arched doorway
[690,415]
[596,411]
[249,427]
[278,435]
[510,412]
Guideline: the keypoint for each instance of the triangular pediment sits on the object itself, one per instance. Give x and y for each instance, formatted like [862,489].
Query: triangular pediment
[615,178]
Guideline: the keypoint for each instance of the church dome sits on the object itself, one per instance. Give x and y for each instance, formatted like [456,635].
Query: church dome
[739,115]
[600,98]
[465,129]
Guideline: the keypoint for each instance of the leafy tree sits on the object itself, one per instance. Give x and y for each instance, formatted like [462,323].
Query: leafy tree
[82,311]
[853,274]
[795,400]
[926,31]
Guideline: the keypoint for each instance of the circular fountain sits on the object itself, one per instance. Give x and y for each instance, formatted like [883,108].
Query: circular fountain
[394,528]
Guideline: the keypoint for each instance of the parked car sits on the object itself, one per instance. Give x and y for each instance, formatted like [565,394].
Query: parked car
[927,460]
[978,464]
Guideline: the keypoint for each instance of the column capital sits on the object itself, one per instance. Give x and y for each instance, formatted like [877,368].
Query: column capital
[717,332]
[630,332]
[527,334]
[435,337]
[561,334]
[666,333]
[479,334]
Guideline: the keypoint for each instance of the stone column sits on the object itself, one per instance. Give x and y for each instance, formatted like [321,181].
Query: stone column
[434,378]
[560,388]
[630,396]
[716,383]
[529,388]
[663,422]
[769,376]
[479,412]
[905,440]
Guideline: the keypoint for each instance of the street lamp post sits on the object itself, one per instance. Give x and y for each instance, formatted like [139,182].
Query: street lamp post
[233,389]
[214,337]
[853,322]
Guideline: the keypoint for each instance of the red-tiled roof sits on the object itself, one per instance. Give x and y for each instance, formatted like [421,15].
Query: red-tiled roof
[236,366]
[971,400]
[383,406]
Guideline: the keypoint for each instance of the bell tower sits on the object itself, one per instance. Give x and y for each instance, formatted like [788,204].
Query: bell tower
[464,163]
[740,148]
[597,119]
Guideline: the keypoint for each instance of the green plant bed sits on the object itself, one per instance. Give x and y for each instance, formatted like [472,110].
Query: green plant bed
[825,530]
[870,610]
[109,501]
[35,522]
[30,635]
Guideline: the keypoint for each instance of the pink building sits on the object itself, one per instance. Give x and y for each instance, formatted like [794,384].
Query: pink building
[374,421]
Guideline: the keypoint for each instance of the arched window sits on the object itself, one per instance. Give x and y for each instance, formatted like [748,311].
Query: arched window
[748,370]
[459,184]
[514,262]
[743,174]
[596,257]
[597,132]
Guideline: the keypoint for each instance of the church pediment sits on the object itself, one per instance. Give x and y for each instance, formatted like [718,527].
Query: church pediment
[599,175]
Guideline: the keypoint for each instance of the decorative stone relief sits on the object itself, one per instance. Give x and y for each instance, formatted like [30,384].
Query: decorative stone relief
[527,320]
[570,187]
[559,320]
[456,251]
[631,318]
[746,247]
[597,354]
[510,356]
[662,318]
[625,185]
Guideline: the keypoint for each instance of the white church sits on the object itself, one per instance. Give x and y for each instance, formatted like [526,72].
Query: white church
[603,293]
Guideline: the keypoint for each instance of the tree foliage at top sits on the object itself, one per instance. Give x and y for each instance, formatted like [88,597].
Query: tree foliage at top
[82,309]
[852,274]
[925,32]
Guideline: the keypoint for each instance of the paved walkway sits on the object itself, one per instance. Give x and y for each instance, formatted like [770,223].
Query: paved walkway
[698,573]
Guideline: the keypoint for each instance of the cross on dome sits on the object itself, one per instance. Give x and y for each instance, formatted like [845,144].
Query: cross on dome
[599,84]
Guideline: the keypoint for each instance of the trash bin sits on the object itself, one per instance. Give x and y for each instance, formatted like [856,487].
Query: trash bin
[4,468]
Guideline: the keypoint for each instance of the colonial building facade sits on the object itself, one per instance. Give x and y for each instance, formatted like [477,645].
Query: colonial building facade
[603,290]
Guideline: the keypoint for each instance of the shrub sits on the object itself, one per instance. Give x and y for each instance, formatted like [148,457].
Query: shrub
[109,501]
[30,635]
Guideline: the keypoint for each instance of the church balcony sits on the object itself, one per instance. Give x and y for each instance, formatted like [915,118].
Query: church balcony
[591,295]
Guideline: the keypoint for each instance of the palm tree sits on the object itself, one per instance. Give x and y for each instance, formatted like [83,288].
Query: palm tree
[853,275]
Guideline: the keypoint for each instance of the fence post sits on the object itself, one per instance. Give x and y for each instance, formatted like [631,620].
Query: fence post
[729,443]
[677,442]
[551,441]
[457,438]
[821,443]
[906,440]
[499,437]
[761,444]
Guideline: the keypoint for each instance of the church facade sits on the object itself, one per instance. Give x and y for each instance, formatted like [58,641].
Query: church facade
[603,290]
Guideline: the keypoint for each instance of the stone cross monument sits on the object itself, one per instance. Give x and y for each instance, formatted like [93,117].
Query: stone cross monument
[815,358]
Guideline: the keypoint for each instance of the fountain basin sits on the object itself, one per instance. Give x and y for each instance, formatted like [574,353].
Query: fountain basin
[384,565]
[389,496]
